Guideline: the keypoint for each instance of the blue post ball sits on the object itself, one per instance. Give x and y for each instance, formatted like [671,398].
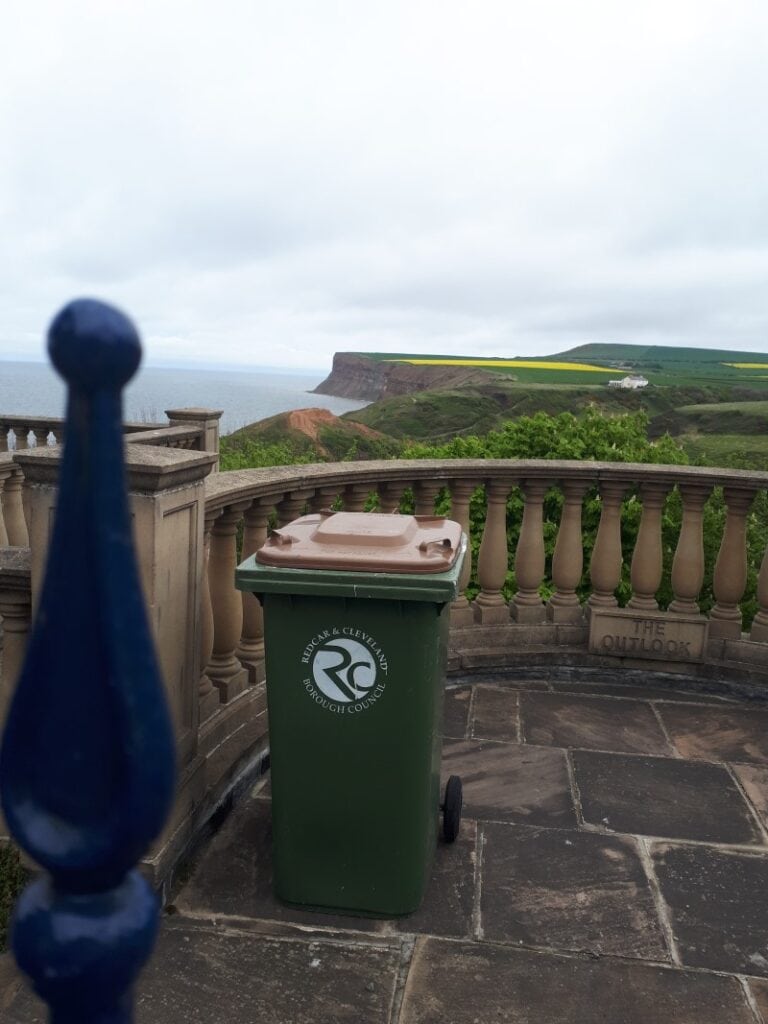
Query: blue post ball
[94,346]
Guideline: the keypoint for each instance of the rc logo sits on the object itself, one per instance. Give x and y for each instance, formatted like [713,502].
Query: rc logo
[344,670]
[348,670]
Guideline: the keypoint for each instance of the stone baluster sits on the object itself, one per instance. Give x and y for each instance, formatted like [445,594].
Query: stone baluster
[251,649]
[605,564]
[688,563]
[425,493]
[291,506]
[490,605]
[356,497]
[647,558]
[568,557]
[225,671]
[13,510]
[730,577]
[760,624]
[3,439]
[16,612]
[527,605]
[207,694]
[323,498]
[461,493]
[391,494]
[6,468]
[22,438]
[41,436]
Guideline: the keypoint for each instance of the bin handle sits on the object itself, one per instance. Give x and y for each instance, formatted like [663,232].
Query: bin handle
[281,539]
[443,542]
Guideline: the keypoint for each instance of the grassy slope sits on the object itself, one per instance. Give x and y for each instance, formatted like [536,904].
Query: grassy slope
[437,415]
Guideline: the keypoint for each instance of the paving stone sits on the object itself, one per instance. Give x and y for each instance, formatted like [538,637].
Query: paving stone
[511,782]
[462,983]
[718,904]
[450,896]
[760,994]
[718,734]
[456,712]
[567,890]
[591,723]
[663,797]
[203,973]
[754,779]
[234,877]
[495,714]
[664,693]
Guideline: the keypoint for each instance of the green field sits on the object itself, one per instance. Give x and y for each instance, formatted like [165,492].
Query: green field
[737,451]
[662,366]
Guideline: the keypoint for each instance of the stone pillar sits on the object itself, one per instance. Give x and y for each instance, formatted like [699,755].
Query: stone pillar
[527,605]
[21,434]
[647,558]
[489,605]
[41,436]
[688,563]
[390,495]
[730,577]
[207,694]
[605,565]
[15,611]
[568,557]
[425,493]
[323,498]
[251,649]
[224,668]
[13,508]
[291,506]
[6,468]
[356,497]
[207,420]
[167,495]
[461,493]
[3,439]
[760,623]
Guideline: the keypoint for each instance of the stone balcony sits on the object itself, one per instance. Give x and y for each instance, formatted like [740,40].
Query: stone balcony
[612,860]
[611,867]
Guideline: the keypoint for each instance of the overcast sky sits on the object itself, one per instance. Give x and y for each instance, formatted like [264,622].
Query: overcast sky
[269,181]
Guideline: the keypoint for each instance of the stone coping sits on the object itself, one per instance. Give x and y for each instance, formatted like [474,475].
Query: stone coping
[236,485]
[150,468]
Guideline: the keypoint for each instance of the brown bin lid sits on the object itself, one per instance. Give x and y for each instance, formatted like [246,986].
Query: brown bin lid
[364,542]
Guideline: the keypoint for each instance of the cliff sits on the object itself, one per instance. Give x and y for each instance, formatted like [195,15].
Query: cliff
[360,376]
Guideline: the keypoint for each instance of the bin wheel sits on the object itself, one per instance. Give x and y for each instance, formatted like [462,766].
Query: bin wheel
[452,809]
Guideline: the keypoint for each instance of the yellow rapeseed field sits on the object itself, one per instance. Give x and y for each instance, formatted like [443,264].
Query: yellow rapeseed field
[748,366]
[523,364]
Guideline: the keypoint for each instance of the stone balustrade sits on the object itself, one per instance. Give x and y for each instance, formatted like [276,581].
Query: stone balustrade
[550,606]
[594,602]
[20,432]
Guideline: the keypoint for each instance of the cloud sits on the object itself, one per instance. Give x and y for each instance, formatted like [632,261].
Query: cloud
[272,183]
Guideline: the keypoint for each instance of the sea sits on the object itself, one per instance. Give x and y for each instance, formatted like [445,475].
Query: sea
[245,396]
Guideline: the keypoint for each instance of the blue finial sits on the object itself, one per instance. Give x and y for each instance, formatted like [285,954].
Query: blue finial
[94,346]
[87,760]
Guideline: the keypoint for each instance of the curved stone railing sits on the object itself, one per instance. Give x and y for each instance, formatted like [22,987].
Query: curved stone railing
[241,503]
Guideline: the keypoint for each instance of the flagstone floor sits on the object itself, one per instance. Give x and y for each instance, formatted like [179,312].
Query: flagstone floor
[612,867]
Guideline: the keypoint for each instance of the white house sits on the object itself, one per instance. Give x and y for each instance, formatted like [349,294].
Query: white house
[632,380]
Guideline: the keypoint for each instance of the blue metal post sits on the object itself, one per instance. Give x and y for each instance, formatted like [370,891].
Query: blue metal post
[87,760]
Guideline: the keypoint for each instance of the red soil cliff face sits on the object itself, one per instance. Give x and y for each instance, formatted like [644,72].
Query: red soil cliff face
[356,376]
[309,422]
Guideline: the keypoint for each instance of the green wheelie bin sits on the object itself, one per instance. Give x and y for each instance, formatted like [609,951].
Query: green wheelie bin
[356,609]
